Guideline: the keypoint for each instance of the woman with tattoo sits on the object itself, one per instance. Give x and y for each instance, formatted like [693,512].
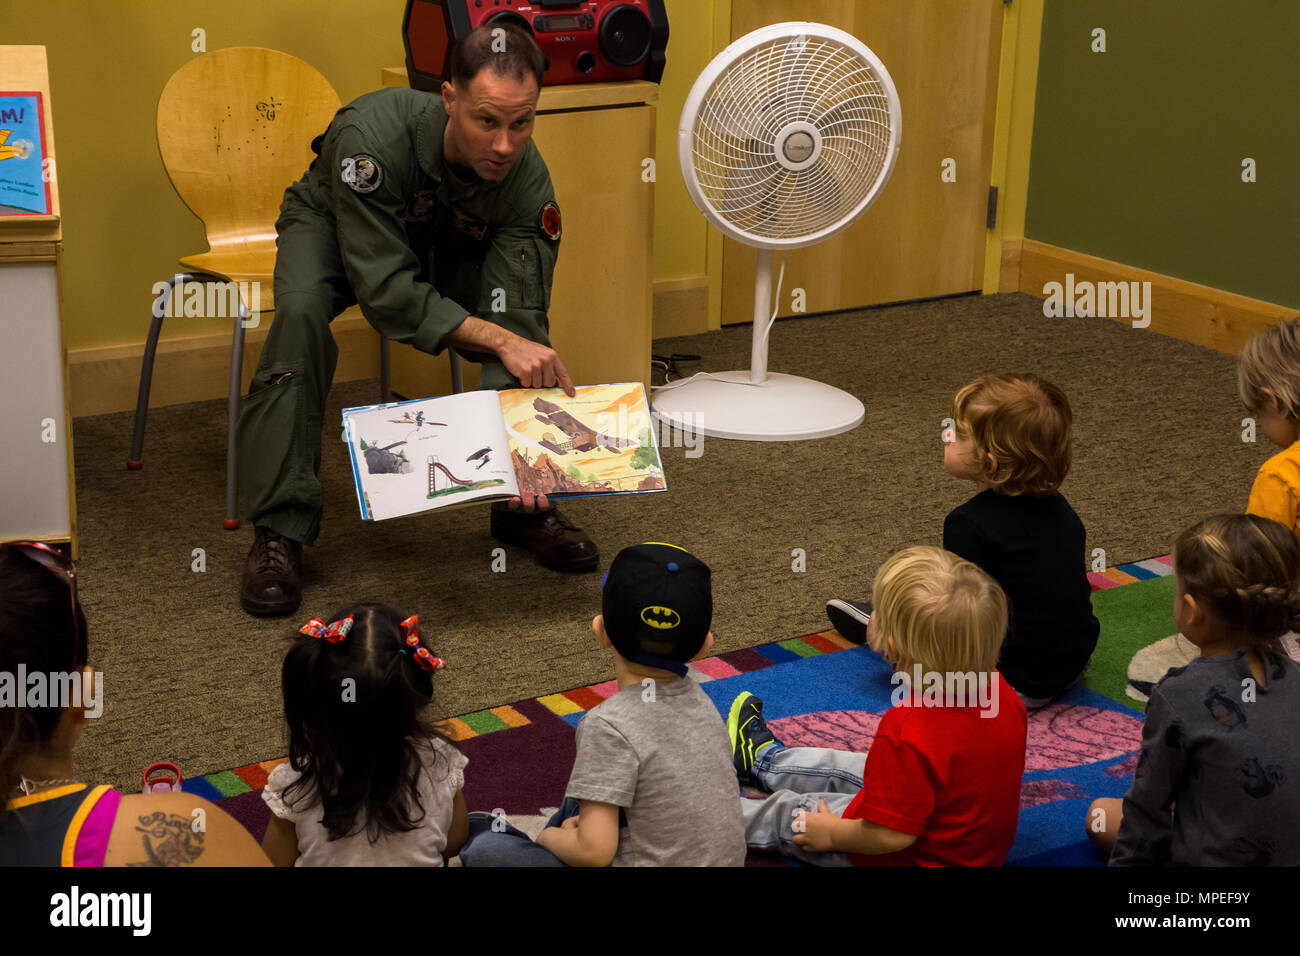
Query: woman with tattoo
[47,693]
[369,781]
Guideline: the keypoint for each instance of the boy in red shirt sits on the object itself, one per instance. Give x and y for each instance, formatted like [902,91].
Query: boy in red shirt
[941,783]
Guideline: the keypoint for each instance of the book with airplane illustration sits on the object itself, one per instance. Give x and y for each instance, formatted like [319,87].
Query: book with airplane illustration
[430,453]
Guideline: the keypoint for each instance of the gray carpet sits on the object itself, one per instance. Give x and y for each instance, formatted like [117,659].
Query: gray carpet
[193,679]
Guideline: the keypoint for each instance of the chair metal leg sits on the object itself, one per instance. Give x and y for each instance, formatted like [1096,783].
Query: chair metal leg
[161,306]
[457,381]
[385,371]
[231,521]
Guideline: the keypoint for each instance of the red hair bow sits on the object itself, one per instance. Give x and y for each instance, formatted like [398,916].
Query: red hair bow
[411,642]
[333,633]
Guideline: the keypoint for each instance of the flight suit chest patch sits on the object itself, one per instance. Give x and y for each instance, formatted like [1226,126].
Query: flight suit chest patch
[470,225]
[421,206]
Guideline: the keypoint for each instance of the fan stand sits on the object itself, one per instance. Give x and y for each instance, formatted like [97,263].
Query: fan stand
[753,405]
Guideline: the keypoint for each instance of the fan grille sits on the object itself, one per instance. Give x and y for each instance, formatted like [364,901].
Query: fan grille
[811,79]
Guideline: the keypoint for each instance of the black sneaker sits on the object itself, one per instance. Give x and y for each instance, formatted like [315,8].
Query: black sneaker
[749,735]
[272,582]
[850,619]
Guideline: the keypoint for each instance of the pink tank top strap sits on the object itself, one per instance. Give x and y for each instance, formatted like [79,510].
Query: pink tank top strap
[87,837]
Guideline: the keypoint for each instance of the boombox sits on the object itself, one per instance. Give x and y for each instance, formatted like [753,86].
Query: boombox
[585,42]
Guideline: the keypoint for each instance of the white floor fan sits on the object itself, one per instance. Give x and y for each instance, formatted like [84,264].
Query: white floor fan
[788,135]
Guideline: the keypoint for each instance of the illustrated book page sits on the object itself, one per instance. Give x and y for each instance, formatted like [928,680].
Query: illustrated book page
[601,441]
[419,455]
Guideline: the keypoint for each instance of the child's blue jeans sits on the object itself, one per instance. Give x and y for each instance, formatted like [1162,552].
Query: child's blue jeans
[511,846]
[800,777]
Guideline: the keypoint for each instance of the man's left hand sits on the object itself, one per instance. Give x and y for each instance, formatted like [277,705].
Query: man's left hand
[530,502]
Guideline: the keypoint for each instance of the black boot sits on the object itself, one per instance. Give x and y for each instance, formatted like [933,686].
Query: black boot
[272,584]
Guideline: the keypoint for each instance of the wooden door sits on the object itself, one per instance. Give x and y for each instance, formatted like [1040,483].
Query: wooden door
[923,237]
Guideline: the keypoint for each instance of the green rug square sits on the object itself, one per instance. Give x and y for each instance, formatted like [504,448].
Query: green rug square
[1132,616]
[228,782]
[484,722]
[798,645]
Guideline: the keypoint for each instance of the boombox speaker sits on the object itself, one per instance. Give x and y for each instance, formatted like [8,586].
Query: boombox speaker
[585,42]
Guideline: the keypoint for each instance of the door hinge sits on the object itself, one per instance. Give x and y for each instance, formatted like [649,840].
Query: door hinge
[993,207]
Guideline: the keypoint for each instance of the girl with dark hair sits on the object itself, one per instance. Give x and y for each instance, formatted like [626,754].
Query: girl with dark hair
[369,781]
[48,692]
[1218,781]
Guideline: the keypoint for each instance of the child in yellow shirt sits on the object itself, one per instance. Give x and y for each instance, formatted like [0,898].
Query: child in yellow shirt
[1268,382]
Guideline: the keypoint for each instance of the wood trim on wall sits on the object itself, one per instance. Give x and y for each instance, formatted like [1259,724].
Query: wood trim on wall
[1184,310]
[1009,267]
[681,306]
[104,380]
[197,369]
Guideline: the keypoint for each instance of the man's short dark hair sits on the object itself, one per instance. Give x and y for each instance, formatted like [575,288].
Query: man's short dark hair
[516,55]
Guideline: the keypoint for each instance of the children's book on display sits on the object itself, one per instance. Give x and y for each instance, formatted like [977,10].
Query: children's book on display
[24,179]
[420,455]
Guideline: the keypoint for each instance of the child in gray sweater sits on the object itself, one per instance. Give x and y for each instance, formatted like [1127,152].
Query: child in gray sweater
[1218,781]
[652,782]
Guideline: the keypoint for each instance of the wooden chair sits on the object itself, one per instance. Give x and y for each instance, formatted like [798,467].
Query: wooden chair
[234,130]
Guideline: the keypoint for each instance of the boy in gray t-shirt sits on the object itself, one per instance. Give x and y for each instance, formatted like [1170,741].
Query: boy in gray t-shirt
[653,782]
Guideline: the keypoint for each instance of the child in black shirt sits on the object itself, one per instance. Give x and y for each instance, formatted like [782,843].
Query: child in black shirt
[1011,437]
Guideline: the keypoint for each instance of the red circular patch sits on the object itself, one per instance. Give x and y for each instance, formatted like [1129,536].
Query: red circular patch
[550,220]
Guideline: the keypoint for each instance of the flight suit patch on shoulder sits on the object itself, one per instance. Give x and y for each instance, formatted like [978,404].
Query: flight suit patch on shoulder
[362,173]
[472,226]
[549,221]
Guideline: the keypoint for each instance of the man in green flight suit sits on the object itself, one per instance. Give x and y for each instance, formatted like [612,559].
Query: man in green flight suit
[437,216]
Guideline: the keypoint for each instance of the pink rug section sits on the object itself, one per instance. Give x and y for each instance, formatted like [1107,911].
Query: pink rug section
[1059,736]
[851,730]
[1070,735]
[715,667]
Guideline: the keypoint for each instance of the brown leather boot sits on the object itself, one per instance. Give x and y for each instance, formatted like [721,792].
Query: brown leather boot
[555,541]
[272,584]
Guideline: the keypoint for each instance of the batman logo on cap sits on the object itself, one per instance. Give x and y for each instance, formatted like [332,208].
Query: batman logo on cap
[660,618]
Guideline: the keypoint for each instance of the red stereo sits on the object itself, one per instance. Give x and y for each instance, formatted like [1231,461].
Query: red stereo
[585,41]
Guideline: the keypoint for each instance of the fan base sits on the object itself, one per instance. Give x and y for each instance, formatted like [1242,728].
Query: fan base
[782,408]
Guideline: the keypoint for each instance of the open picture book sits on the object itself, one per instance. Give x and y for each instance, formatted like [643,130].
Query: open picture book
[430,453]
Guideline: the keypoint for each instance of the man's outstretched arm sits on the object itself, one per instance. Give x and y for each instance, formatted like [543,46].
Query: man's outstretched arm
[534,365]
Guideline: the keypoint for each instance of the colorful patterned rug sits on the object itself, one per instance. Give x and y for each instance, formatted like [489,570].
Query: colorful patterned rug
[820,690]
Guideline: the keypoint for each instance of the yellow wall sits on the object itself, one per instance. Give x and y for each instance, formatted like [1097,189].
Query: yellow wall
[124,225]
[1022,28]
[681,233]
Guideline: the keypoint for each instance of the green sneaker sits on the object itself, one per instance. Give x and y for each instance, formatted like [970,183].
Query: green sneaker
[749,735]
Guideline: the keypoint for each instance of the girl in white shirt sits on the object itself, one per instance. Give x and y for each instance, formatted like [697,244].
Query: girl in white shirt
[369,782]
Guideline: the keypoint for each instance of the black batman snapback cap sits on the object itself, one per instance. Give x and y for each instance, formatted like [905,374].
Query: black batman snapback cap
[657,605]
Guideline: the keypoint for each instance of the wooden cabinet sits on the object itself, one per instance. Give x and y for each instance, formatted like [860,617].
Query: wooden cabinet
[36,482]
[595,138]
